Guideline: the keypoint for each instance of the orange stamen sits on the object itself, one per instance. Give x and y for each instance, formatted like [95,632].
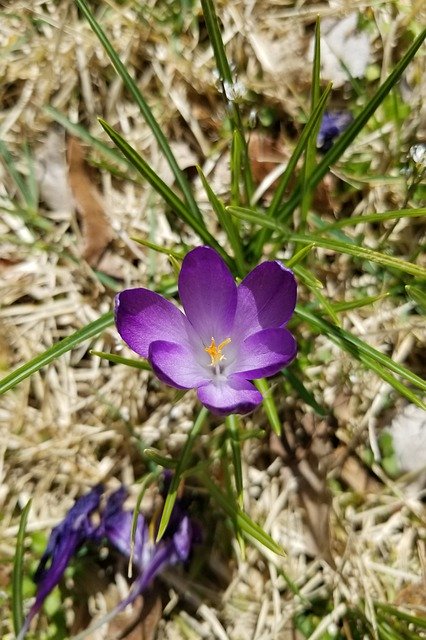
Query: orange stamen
[215,351]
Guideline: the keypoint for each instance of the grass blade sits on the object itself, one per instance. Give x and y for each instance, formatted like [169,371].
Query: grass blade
[236,155]
[299,255]
[19,181]
[327,243]
[418,295]
[216,41]
[343,142]
[402,615]
[180,468]
[146,481]
[302,391]
[311,147]
[162,461]
[373,217]
[79,131]
[242,520]
[269,405]
[358,348]
[131,86]
[160,186]
[308,129]
[274,207]
[156,247]
[341,307]
[227,223]
[363,253]
[18,572]
[225,74]
[327,306]
[129,362]
[89,331]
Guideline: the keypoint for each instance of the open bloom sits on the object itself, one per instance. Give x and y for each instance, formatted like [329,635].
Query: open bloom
[227,336]
[113,524]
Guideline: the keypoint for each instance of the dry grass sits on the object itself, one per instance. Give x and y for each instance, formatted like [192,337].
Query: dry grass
[79,421]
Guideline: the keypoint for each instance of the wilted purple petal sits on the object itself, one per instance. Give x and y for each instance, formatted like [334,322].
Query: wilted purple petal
[233,395]
[265,353]
[174,547]
[208,294]
[182,539]
[176,364]
[266,298]
[63,542]
[116,527]
[142,316]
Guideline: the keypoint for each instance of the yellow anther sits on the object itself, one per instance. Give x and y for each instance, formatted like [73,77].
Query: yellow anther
[215,352]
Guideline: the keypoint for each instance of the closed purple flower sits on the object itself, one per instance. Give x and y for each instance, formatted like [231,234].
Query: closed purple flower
[66,538]
[114,525]
[332,125]
[227,336]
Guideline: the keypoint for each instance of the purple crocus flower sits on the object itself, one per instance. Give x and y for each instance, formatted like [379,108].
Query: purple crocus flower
[332,125]
[227,336]
[114,526]
[66,538]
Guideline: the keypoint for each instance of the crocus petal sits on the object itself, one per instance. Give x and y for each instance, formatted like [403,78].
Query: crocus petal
[234,395]
[265,353]
[142,316]
[182,539]
[175,364]
[208,294]
[332,125]
[266,299]
[175,547]
[116,527]
[63,542]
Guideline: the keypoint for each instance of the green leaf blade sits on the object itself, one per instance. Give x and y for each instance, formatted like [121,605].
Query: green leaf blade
[132,87]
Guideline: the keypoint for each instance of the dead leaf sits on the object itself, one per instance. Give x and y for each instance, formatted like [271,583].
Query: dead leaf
[357,477]
[52,173]
[96,229]
[414,597]
[265,153]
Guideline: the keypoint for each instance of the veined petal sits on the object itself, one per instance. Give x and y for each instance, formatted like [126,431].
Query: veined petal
[266,298]
[265,353]
[175,364]
[234,395]
[208,294]
[142,316]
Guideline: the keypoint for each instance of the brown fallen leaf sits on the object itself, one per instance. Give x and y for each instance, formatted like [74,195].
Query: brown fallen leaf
[413,597]
[52,173]
[96,229]
[267,152]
